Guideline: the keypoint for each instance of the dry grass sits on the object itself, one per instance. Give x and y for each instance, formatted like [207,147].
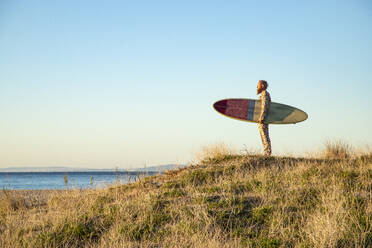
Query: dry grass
[225,201]
[337,149]
[214,151]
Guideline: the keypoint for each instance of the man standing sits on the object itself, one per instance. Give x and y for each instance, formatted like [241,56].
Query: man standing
[262,127]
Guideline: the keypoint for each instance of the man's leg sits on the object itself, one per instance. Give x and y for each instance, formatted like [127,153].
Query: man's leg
[264,132]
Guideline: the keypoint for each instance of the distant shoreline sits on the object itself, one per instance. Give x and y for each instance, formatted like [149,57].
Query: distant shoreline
[36,169]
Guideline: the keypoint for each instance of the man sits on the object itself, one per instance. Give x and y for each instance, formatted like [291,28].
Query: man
[262,127]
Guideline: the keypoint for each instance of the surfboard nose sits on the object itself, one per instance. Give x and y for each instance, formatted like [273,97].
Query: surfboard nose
[220,106]
[295,116]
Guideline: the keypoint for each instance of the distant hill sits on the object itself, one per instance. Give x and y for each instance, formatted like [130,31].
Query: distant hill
[158,168]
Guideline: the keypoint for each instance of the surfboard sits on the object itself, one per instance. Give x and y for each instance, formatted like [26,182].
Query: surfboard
[250,110]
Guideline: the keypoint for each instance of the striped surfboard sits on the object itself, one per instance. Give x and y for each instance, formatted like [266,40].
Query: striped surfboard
[250,110]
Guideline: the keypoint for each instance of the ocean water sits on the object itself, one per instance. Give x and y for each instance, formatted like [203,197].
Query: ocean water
[77,180]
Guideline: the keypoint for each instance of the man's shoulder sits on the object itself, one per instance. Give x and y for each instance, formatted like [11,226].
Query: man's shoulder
[266,95]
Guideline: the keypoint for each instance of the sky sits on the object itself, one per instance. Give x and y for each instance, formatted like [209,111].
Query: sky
[104,84]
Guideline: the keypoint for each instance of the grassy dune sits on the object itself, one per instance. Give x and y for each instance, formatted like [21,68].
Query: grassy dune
[225,200]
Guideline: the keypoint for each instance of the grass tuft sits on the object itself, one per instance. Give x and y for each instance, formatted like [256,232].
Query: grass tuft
[337,149]
[214,152]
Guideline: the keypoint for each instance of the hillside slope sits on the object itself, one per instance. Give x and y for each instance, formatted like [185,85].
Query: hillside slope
[228,201]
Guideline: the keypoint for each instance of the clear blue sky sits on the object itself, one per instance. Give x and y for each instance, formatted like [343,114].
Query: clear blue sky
[124,83]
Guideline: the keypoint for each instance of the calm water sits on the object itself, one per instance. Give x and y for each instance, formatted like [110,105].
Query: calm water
[56,180]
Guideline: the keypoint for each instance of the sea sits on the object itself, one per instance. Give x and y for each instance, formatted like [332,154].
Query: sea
[68,180]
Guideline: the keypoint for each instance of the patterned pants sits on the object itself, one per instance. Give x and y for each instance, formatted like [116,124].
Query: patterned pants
[264,132]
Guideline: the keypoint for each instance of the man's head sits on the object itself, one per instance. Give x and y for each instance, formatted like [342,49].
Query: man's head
[261,86]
